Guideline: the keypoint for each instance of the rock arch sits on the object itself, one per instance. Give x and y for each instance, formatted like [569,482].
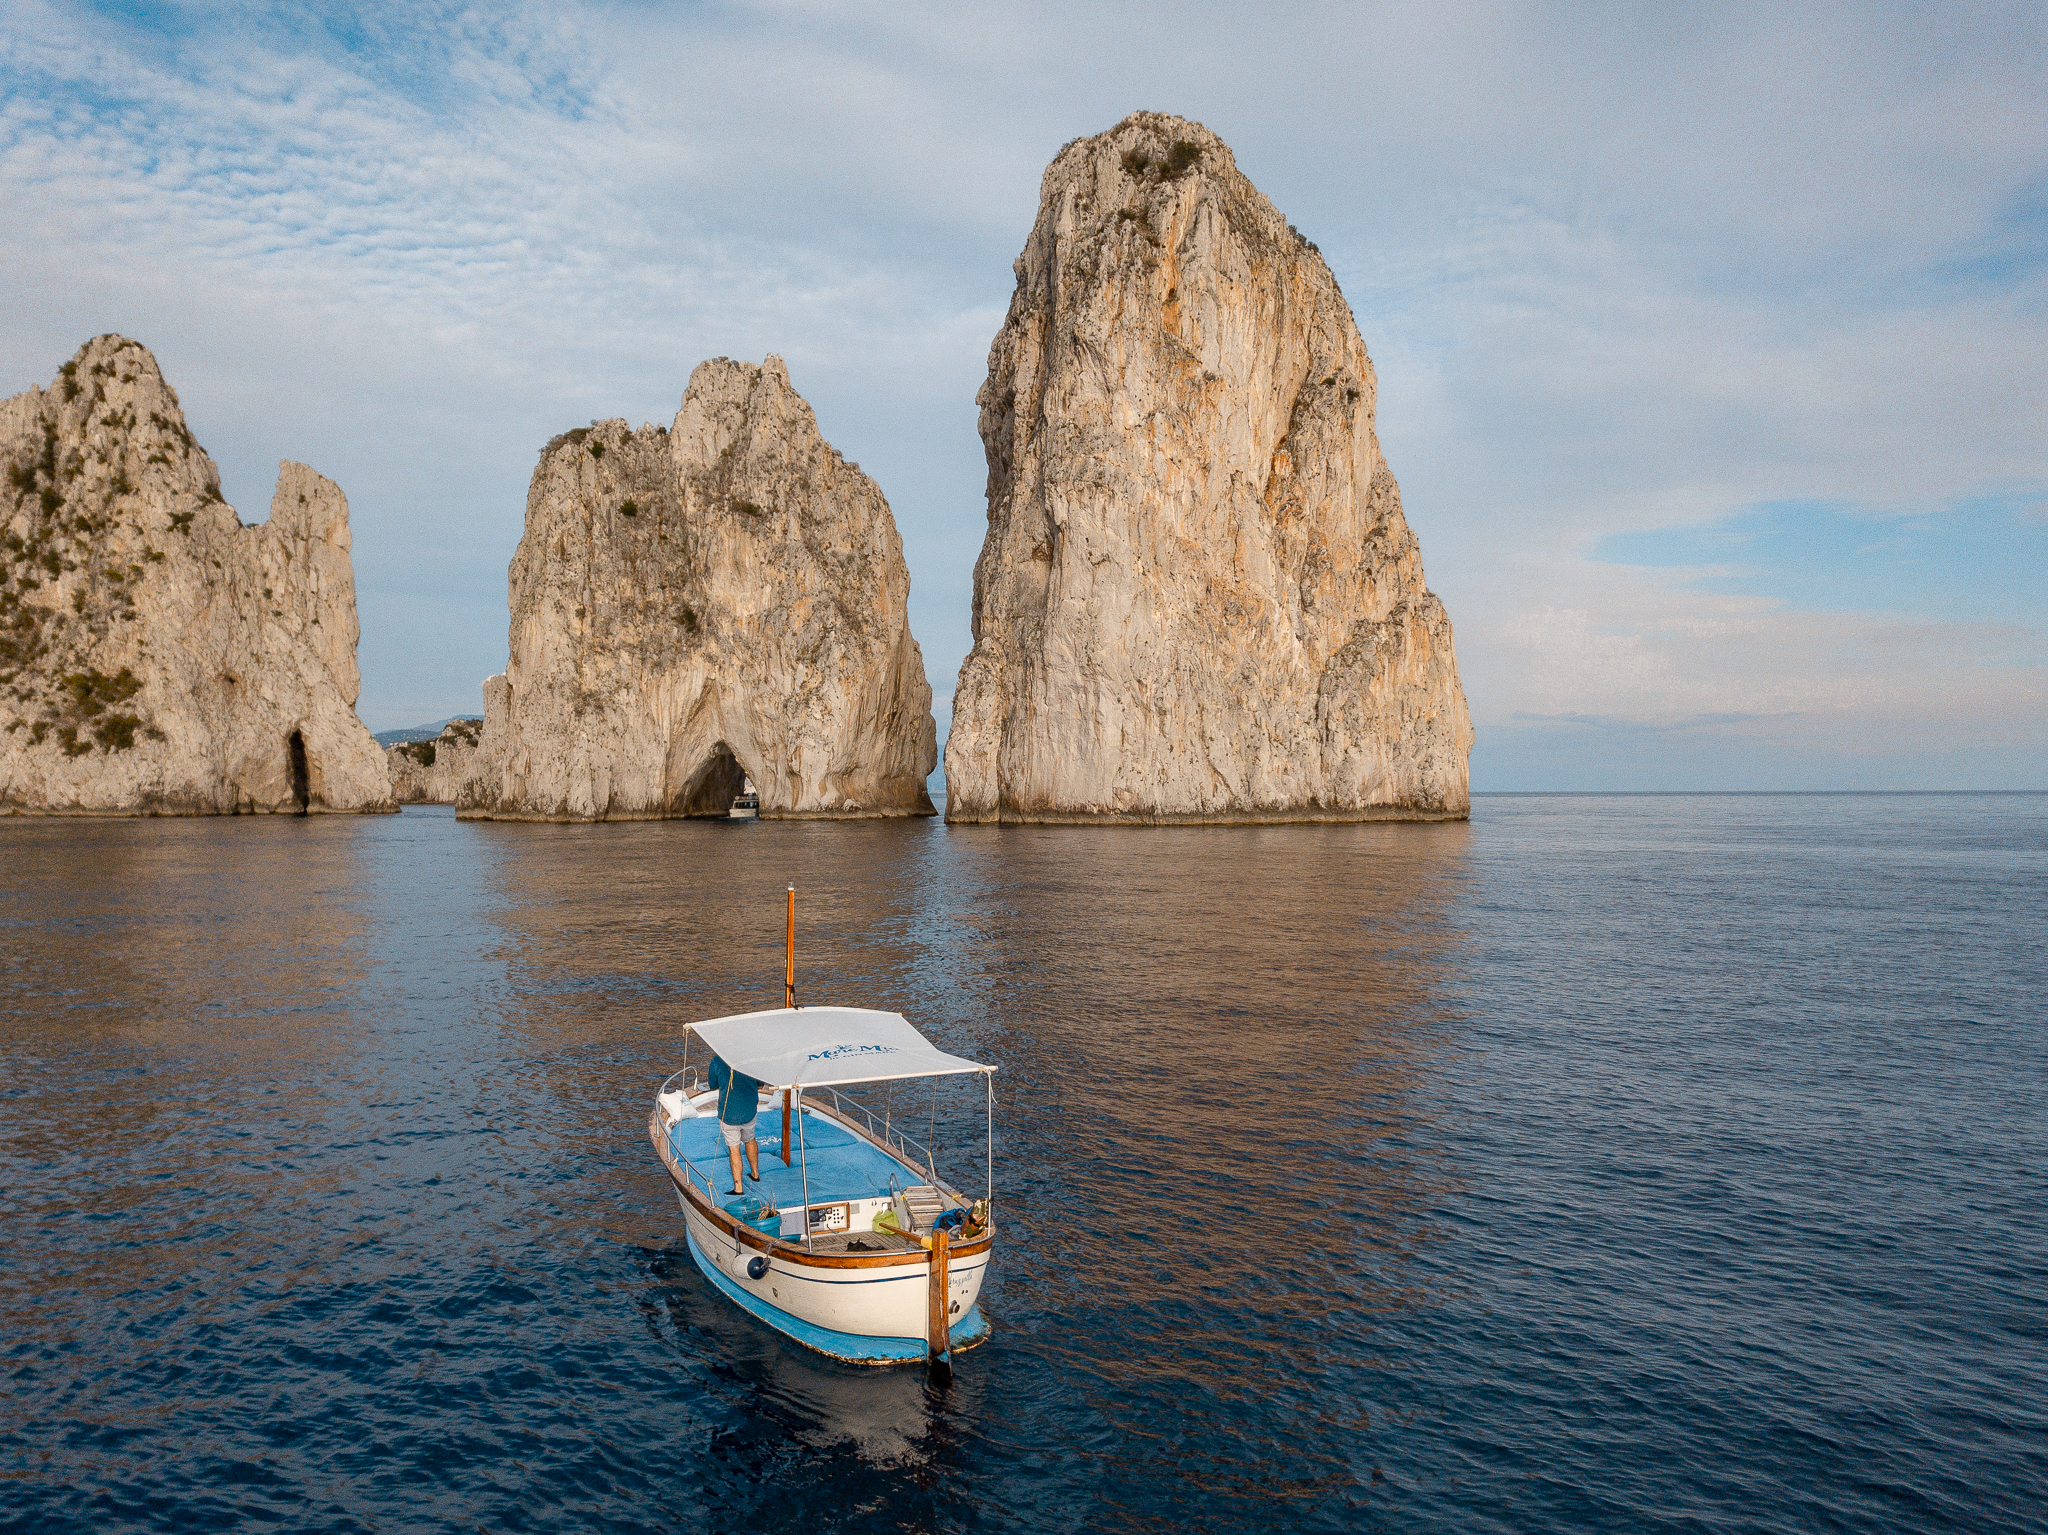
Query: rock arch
[710,787]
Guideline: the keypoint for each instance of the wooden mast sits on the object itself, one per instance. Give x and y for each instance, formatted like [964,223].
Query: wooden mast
[789,955]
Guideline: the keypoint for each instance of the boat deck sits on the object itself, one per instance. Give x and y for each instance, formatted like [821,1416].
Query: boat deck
[842,1165]
[864,1242]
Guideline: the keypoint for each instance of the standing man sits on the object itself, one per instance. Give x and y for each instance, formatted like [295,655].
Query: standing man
[739,1099]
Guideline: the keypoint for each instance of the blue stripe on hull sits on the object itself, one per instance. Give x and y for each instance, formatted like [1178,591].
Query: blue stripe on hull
[853,1347]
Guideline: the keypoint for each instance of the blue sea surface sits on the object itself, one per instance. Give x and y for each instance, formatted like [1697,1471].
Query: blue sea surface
[1625,1163]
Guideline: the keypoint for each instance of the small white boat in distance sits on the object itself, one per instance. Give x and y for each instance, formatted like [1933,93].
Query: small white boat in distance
[803,1249]
[747,807]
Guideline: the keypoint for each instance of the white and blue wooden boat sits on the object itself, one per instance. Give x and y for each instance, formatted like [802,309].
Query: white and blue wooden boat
[800,1250]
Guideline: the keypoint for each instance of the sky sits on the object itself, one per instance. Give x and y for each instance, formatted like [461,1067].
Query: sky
[1712,343]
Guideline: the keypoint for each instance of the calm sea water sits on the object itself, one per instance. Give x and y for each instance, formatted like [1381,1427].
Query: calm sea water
[1605,1164]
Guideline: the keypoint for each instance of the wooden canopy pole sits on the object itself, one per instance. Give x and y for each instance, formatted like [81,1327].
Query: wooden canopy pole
[788,1000]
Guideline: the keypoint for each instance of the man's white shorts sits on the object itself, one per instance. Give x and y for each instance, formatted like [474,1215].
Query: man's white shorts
[735,1134]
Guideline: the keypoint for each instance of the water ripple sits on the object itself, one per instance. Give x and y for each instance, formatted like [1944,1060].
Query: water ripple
[1638,1164]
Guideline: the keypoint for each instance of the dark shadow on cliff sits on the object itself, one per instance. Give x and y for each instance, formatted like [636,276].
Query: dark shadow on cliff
[300,772]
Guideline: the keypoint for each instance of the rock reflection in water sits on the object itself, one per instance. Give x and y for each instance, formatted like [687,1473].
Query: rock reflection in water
[175,999]
[326,1135]
[326,1201]
[1219,1056]
[1199,1035]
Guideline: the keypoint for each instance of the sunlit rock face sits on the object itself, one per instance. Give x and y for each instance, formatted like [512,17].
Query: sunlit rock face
[1198,599]
[432,772]
[691,605]
[156,656]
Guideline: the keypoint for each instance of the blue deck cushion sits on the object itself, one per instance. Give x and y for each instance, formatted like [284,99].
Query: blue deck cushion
[842,1165]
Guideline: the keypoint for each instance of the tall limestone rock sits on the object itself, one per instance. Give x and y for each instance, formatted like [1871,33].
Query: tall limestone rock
[722,597]
[156,656]
[1198,599]
[433,772]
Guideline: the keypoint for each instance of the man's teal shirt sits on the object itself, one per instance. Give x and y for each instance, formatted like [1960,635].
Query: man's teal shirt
[738,1095]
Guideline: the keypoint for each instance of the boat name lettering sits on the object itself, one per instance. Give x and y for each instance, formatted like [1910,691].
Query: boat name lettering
[838,1052]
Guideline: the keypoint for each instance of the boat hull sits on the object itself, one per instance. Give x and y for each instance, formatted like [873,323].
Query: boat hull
[852,1347]
[884,1305]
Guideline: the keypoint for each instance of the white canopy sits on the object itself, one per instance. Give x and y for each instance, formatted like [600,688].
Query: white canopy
[827,1047]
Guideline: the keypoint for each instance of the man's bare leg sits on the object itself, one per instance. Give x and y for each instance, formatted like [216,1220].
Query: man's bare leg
[753,1160]
[734,1151]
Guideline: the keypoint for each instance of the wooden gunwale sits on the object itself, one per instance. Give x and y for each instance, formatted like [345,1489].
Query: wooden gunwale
[796,1252]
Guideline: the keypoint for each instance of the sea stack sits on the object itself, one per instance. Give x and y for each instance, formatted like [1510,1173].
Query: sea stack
[722,598]
[433,772]
[1198,599]
[156,656]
